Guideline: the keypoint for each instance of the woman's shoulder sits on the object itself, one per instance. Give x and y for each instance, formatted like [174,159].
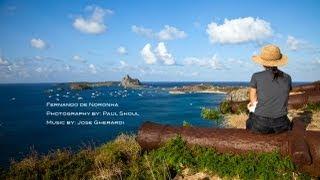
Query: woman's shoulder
[259,73]
[286,75]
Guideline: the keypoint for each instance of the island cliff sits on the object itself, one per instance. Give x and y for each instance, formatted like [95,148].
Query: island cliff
[128,82]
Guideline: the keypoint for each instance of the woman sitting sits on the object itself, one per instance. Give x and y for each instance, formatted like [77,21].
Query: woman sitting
[269,93]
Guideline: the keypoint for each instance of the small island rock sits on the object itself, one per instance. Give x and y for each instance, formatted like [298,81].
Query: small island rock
[129,82]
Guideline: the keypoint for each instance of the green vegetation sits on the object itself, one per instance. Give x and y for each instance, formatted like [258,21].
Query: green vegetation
[211,114]
[186,124]
[225,107]
[242,108]
[176,155]
[123,158]
[313,107]
[58,164]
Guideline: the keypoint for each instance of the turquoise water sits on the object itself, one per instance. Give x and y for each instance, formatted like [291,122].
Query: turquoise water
[23,119]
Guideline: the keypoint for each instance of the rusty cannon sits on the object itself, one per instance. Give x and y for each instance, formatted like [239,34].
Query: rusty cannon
[299,97]
[302,146]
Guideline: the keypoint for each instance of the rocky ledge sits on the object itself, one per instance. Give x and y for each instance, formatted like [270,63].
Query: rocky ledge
[128,82]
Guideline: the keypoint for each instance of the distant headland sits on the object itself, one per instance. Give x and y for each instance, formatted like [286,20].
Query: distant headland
[126,82]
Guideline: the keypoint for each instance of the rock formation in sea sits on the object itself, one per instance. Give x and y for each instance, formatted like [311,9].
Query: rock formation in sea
[129,82]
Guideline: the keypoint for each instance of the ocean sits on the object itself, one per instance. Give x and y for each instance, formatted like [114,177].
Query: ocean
[26,125]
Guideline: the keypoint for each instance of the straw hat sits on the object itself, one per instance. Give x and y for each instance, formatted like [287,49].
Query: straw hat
[270,56]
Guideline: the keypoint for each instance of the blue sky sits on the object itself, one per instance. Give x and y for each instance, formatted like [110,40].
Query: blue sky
[59,41]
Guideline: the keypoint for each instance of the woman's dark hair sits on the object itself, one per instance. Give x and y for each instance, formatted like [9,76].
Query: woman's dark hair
[276,72]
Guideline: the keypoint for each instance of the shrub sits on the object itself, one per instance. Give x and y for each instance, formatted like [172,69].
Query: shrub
[211,114]
[242,108]
[313,107]
[225,107]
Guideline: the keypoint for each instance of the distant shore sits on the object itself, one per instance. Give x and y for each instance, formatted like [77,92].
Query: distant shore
[205,92]
[203,88]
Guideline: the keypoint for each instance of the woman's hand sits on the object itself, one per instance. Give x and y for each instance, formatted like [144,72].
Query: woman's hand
[252,106]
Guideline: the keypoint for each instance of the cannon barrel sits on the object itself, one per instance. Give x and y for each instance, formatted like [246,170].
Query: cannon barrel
[302,146]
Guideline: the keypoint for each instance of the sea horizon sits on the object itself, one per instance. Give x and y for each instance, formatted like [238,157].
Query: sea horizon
[65,82]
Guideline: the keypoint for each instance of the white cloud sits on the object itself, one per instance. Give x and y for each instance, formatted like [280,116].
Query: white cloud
[93,24]
[239,30]
[294,44]
[142,31]
[148,55]
[3,62]
[93,69]
[167,33]
[163,54]
[123,64]
[236,63]
[160,52]
[170,33]
[211,63]
[122,50]
[78,59]
[38,43]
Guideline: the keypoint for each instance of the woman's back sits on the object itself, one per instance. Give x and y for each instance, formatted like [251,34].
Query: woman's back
[270,88]
[272,93]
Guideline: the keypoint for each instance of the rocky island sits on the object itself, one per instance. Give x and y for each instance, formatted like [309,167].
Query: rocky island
[90,85]
[128,82]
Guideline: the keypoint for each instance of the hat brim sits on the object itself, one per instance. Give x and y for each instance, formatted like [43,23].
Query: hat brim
[280,62]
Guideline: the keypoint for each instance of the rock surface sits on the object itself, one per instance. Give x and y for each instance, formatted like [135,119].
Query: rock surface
[129,82]
[237,95]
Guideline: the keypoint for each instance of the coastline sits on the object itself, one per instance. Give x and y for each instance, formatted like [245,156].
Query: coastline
[205,92]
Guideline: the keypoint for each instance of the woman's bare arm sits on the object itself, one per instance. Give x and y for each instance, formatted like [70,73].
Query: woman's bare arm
[253,95]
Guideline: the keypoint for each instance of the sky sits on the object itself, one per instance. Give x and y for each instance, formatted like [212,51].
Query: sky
[159,40]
